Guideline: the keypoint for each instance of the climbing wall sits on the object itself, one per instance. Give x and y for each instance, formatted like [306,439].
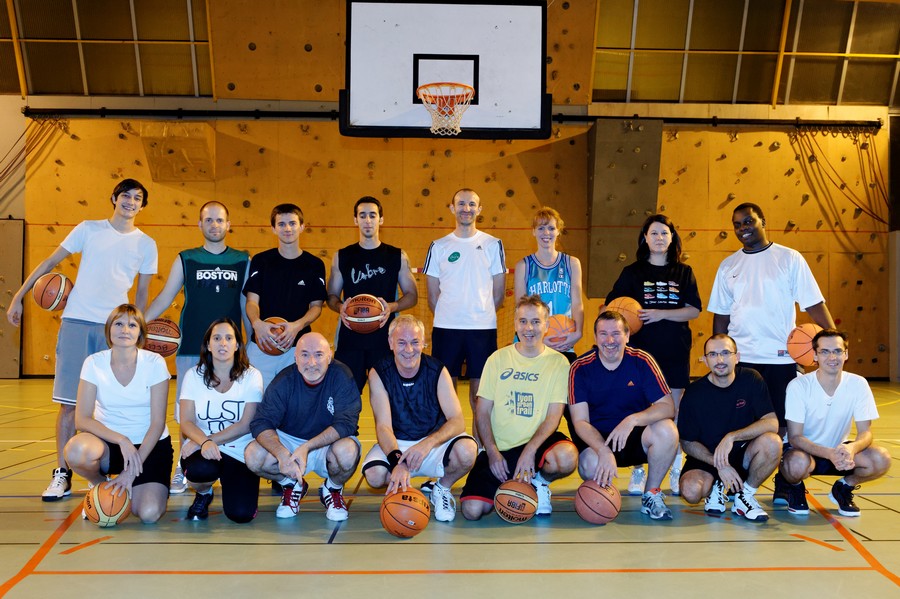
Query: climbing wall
[823,194]
[258,164]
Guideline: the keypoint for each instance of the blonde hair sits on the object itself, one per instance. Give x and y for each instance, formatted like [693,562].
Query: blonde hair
[132,312]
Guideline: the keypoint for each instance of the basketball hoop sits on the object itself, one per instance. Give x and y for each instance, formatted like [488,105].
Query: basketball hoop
[446,101]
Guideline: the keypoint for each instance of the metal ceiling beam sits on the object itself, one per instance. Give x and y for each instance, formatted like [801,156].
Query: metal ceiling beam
[780,61]
[846,61]
[17,49]
[737,67]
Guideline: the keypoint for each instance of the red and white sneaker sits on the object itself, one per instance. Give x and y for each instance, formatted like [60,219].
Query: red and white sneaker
[290,499]
[335,508]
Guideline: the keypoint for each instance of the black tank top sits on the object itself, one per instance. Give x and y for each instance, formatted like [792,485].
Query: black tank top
[415,409]
[374,272]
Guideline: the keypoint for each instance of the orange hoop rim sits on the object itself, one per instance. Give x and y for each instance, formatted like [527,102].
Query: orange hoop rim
[431,93]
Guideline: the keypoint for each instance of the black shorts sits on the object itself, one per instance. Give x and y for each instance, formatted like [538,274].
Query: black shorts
[777,377]
[633,453]
[823,466]
[157,466]
[359,361]
[735,460]
[455,346]
[481,484]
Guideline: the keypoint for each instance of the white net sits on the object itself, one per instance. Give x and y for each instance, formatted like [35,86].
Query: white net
[446,102]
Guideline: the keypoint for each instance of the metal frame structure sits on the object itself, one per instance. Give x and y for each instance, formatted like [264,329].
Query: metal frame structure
[780,55]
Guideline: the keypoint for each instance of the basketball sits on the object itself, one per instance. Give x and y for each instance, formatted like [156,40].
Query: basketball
[558,327]
[515,501]
[278,330]
[105,509]
[364,313]
[405,514]
[629,308]
[51,291]
[163,337]
[799,343]
[596,504]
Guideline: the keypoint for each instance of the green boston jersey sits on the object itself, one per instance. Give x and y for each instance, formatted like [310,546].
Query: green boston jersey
[212,290]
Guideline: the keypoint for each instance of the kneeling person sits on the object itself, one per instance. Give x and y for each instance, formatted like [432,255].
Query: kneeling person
[819,409]
[729,432]
[520,403]
[419,423]
[219,397]
[622,410]
[308,421]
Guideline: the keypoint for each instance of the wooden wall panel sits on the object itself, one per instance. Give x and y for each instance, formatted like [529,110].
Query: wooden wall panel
[278,50]
[263,163]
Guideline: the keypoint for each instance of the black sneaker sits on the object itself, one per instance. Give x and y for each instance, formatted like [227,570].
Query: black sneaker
[782,490]
[199,510]
[797,499]
[842,496]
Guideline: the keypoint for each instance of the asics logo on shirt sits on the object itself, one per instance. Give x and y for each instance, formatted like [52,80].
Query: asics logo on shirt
[519,375]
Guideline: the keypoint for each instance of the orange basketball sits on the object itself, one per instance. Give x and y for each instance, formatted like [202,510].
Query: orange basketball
[105,509]
[629,308]
[799,343]
[405,514]
[163,337]
[278,330]
[515,501]
[558,327]
[51,291]
[363,313]
[596,504]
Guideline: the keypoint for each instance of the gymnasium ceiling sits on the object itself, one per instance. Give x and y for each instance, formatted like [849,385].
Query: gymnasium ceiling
[665,51]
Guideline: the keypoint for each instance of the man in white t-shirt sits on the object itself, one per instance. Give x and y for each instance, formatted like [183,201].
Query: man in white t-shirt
[753,299]
[820,408]
[466,281]
[113,252]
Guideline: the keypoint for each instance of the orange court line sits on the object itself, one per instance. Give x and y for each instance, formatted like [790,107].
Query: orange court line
[84,545]
[466,572]
[41,552]
[817,542]
[854,542]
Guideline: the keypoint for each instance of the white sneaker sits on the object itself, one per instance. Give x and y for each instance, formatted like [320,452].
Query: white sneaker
[747,506]
[290,499]
[675,478]
[442,503]
[715,503]
[638,480]
[179,482]
[60,485]
[544,506]
[335,508]
[654,505]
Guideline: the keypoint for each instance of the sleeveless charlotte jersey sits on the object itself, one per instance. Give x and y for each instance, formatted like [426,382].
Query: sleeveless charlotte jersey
[553,283]
[375,272]
[415,410]
[212,290]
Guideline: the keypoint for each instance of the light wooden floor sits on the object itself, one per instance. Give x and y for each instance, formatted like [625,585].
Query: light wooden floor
[47,550]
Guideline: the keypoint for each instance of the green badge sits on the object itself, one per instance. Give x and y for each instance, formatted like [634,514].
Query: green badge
[453,257]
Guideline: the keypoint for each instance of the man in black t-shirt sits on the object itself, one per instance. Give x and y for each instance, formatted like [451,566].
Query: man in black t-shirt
[419,423]
[375,268]
[284,282]
[728,432]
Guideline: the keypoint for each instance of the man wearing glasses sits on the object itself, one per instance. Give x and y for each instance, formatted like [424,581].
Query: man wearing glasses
[419,425]
[728,432]
[820,408]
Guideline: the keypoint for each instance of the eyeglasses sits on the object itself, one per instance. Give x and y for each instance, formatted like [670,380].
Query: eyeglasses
[724,354]
[827,353]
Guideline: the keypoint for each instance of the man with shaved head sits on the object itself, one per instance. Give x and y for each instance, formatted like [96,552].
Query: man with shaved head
[307,422]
